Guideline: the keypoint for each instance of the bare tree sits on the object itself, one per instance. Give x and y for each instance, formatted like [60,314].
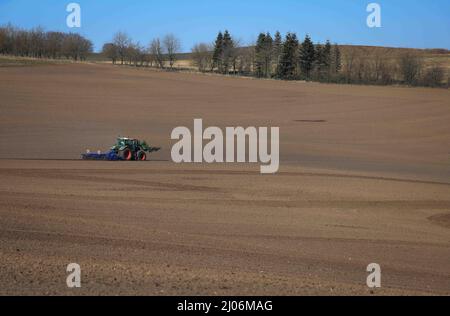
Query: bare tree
[235,54]
[122,42]
[109,50]
[53,45]
[85,48]
[382,70]
[132,54]
[410,67]
[172,46]
[388,71]
[40,44]
[434,76]
[151,60]
[76,47]
[37,40]
[3,40]
[202,54]
[141,54]
[20,43]
[156,52]
[349,63]
[377,61]
[246,59]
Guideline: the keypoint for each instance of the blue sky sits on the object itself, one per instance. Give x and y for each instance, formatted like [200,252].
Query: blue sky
[405,23]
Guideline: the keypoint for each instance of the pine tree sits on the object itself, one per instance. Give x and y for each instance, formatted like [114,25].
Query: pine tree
[327,60]
[337,59]
[218,52]
[319,61]
[307,57]
[263,55]
[228,47]
[277,48]
[259,55]
[323,61]
[268,47]
[327,53]
[287,68]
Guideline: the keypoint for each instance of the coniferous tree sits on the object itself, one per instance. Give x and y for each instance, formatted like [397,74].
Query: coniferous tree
[327,60]
[259,55]
[327,52]
[319,61]
[307,57]
[263,55]
[228,47]
[337,65]
[268,50]
[277,48]
[322,61]
[218,52]
[287,68]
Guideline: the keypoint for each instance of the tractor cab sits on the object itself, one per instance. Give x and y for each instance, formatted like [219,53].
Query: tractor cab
[132,149]
[122,141]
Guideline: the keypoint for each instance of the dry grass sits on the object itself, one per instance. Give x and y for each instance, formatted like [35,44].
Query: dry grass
[431,57]
[15,61]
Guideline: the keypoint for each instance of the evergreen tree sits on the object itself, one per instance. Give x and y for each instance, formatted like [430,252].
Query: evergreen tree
[268,47]
[263,55]
[322,61]
[287,68]
[319,62]
[277,48]
[327,60]
[307,57]
[259,55]
[218,52]
[228,47]
[327,54]
[337,65]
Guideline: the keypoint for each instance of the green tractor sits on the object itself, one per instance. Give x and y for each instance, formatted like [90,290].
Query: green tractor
[132,149]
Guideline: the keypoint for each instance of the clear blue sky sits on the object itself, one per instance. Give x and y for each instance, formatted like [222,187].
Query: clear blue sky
[405,23]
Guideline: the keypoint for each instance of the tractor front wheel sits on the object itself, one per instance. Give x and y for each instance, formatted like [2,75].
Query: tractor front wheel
[141,156]
[125,154]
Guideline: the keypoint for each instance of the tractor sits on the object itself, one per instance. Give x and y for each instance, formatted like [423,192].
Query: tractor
[132,149]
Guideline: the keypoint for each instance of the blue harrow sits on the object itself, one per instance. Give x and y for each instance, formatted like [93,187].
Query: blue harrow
[110,156]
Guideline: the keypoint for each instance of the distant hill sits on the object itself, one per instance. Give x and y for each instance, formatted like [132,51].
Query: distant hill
[433,56]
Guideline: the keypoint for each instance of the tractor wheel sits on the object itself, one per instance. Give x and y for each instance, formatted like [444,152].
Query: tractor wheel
[141,156]
[126,154]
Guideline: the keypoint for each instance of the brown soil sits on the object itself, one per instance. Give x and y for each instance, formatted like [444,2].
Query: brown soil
[368,184]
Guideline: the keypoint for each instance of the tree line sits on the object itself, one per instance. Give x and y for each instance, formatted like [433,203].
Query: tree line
[270,57]
[276,57]
[289,58]
[285,58]
[385,66]
[38,43]
[157,53]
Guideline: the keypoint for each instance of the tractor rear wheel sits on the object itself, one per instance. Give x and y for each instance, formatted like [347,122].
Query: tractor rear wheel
[141,156]
[125,154]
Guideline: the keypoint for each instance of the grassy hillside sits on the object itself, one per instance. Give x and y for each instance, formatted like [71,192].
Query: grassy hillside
[431,57]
